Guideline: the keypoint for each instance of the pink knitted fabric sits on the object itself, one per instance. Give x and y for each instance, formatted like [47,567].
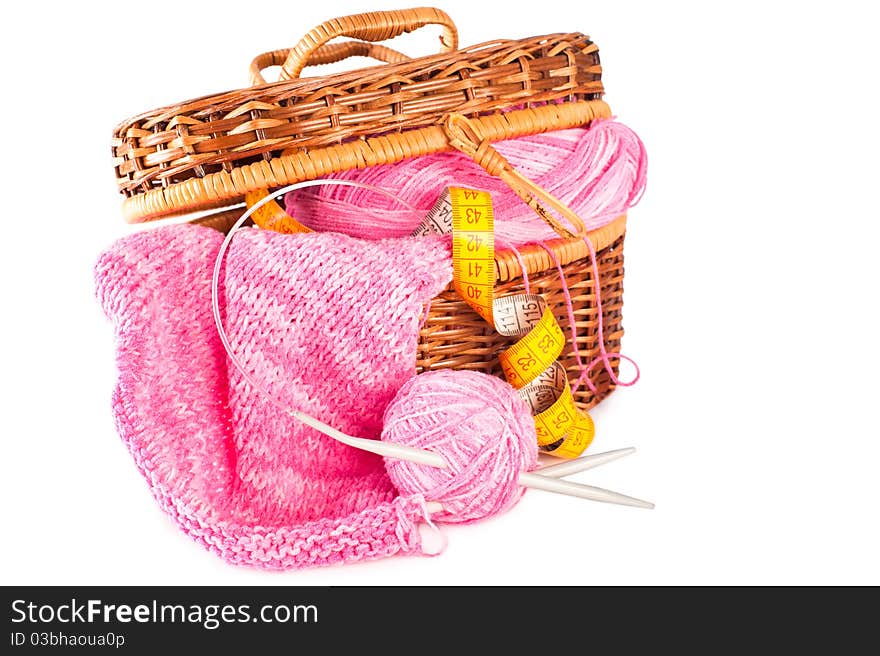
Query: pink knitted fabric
[329,325]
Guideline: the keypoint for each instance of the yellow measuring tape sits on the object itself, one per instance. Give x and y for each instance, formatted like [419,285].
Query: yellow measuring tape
[473,249]
[530,365]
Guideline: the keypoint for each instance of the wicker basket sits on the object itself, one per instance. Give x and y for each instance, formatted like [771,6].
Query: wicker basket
[208,153]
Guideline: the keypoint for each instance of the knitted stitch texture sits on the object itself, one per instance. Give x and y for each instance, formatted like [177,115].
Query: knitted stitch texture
[329,325]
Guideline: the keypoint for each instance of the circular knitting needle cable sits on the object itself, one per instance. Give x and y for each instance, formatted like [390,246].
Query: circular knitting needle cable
[407,453]
[385,449]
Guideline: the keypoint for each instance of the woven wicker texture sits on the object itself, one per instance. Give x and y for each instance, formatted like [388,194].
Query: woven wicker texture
[210,151]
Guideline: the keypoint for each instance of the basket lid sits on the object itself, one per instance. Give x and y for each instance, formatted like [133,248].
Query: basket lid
[209,152]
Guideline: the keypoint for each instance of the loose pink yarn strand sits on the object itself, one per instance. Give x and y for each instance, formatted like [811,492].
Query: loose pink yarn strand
[604,356]
[522,265]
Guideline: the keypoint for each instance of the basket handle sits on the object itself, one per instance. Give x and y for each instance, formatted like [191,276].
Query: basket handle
[326,54]
[370,26]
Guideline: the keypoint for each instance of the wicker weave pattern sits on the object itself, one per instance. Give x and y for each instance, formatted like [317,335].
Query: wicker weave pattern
[220,133]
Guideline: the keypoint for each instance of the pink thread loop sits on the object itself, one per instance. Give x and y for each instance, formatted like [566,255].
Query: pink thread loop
[604,356]
[583,378]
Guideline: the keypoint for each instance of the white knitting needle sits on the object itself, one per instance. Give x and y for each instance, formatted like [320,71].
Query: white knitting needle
[387,449]
[538,482]
[569,467]
[589,462]
[526,479]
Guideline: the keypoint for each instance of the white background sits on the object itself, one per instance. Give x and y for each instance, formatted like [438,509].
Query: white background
[751,299]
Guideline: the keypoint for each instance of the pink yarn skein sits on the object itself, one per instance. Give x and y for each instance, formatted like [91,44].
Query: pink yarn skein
[483,429]
[599,172]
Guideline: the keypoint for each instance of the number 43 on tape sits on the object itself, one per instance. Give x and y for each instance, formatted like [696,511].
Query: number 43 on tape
[530,364]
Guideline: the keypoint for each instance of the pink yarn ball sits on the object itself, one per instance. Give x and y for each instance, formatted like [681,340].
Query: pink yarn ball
[483,429]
